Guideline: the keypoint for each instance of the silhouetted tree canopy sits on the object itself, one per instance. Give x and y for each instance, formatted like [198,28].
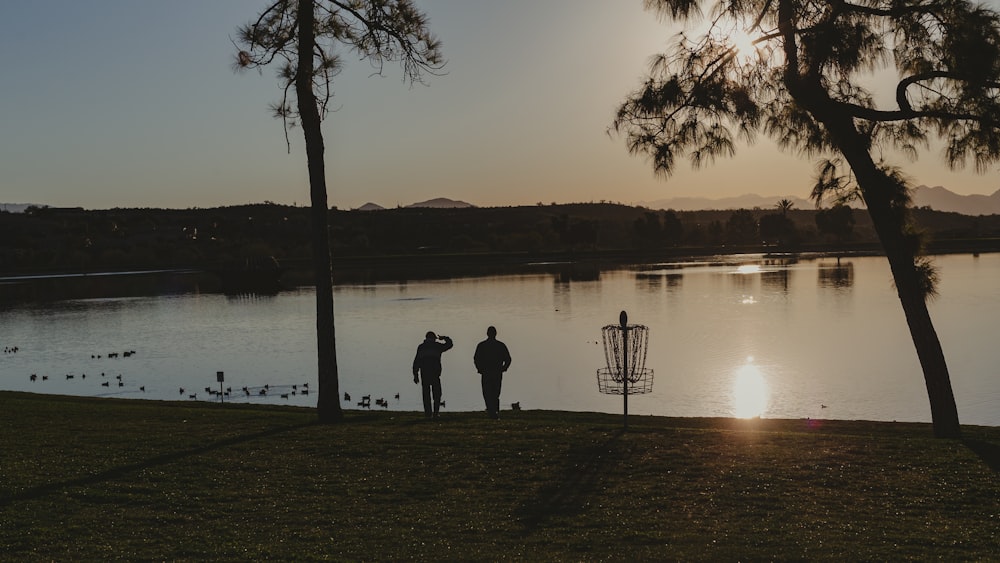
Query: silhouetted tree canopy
[777,228]
[741,228]
[806,82]
[837,221]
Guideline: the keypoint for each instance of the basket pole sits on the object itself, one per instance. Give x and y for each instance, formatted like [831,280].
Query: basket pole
[623,318]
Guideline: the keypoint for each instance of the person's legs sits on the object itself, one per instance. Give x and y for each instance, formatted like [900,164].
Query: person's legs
[436,388]
[491,393]
[425,385]
[498,381]
[485,380]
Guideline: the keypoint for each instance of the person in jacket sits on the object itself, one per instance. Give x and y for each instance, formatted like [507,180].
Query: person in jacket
[427,370]
[492,359]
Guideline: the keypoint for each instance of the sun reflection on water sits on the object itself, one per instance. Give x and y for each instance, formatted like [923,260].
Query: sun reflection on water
[750,391]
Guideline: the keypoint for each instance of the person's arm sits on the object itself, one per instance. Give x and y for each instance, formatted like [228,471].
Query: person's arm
[506,357]
[416,368]
[447,343]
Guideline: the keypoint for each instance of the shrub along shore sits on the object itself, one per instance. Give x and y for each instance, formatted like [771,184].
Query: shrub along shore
[104,479]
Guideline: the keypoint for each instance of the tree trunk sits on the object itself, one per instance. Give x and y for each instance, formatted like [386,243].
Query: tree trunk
[889,220]
[328,403]
[944,412]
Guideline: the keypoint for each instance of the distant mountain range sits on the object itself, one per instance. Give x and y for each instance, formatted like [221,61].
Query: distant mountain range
[437,203]
[942,199]
[937,198]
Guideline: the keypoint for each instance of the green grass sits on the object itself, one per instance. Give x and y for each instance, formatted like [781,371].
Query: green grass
[102,479]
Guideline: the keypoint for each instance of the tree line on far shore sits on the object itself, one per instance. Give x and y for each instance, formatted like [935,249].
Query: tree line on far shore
[77,240]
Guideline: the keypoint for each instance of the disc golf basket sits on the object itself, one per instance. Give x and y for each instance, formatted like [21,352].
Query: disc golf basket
[625,353]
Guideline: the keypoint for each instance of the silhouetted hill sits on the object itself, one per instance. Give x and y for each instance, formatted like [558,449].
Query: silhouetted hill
[441,203]
[370,207]
[942,199]
[937,198]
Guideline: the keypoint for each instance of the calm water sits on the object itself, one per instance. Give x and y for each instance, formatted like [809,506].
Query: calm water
[738,336]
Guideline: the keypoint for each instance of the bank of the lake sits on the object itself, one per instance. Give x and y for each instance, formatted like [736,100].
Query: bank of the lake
[734,335]
[102,479]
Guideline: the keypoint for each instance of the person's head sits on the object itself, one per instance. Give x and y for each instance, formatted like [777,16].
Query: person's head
[491,332]
[430,336]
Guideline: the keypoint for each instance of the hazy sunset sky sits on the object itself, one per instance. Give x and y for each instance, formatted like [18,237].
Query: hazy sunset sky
[134,103]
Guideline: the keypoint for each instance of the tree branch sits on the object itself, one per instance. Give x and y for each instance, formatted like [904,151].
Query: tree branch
[895,11]
[905,83]
[883,116]
[411,56]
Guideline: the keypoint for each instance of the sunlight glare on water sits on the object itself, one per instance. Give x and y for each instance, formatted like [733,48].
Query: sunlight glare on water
[750,391]
[748,269]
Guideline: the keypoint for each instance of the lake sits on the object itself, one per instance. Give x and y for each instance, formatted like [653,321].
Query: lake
[728,336]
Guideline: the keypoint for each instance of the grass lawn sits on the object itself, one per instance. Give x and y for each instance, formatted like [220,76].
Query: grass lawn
[105,479]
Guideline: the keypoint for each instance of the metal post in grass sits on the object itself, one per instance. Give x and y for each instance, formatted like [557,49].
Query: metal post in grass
[625,354]
[623,321]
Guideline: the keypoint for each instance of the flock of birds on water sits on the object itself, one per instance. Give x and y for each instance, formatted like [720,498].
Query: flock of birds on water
[282,391]
[106,383]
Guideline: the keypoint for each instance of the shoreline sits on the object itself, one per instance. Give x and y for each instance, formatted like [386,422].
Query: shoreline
[419,414]
[456,262]
[348,270]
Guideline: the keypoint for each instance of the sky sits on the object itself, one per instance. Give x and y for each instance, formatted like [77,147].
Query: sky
[135,103]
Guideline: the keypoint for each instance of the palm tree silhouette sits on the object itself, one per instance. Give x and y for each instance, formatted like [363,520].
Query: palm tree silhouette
[785,205]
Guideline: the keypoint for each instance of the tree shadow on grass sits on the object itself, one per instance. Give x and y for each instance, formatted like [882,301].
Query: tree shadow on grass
[39,491]
[568,496]
[988,452]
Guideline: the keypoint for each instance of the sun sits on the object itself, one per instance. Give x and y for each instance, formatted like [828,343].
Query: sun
[743,43]
[727,33]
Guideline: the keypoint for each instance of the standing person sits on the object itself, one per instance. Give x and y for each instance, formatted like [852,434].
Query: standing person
[492,359]
[427,369]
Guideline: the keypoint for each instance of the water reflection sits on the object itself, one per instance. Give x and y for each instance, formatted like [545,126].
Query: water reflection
[654,280]
[840,276]
[570,278]
[742,277]
[777,279]
[579,272]
[750,392]
[561,293]
[648,283]
[53,288]
[250,297]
